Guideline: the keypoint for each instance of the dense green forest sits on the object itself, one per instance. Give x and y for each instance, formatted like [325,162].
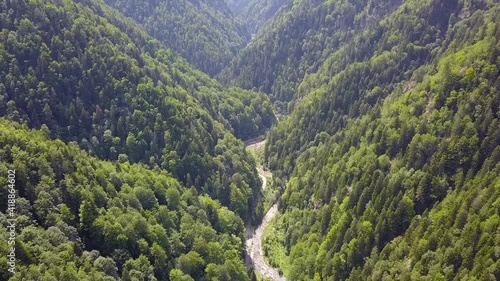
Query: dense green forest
[204,32]
[124,96]
[390,158]
[255,14]
[101,220]
[125,123]
[85,75]
[297,40]
[236,6]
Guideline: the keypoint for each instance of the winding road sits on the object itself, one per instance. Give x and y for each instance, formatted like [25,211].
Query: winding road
[255,256]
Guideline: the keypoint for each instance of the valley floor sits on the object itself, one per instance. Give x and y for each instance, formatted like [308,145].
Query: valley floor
[254,244]
[255,256]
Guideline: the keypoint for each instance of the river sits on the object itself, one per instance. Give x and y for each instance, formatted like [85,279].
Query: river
[255,256]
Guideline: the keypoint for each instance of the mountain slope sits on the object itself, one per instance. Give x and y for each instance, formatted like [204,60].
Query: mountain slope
[70,66]
[357,77]
[391,153]
[81,218]
[257,13]
[203,32]
[388,160]
[236,5]
[296,42]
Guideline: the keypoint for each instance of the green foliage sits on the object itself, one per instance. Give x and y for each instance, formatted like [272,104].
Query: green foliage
[102,220]
[70,68]
[390,153]
[255,14]
[388,163]
[205,33]
[297,40]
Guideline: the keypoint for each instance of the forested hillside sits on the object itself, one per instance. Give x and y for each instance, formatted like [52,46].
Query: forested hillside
[390,157]
[129,157]
[136,172]
[236,6]
[71,68]
[257,13]
[204,32]
[296,42]
[100,220]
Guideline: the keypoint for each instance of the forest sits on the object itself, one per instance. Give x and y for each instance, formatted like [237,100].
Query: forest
[205,32]
[97,218]
[126,123]
[389,160]
[101,90]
